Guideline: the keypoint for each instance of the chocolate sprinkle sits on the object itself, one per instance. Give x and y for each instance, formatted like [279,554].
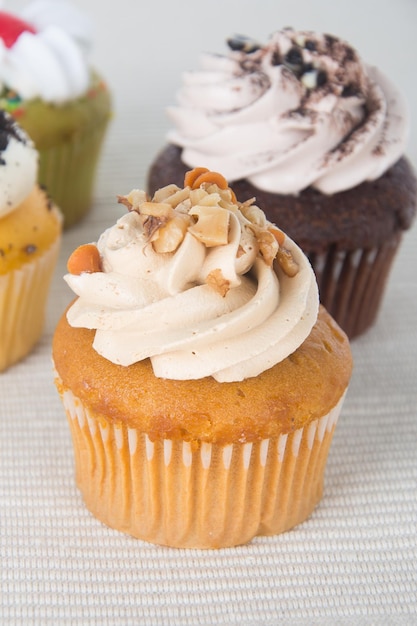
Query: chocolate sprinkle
[321,78]
[241,43]
[294,60]
[350,90]
[304,57]
[276,58]
[8,128]
[310,45]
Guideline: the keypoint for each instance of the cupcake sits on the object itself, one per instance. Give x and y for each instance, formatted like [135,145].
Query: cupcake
[201,380]
[64,105]
[30,232]
[318,138]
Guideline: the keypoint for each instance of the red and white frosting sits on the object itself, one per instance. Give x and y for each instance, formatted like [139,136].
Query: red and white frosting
[41,59]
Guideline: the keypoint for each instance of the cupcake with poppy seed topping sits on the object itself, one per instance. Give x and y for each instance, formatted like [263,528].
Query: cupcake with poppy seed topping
[30,234]
[318,138]
[201,380]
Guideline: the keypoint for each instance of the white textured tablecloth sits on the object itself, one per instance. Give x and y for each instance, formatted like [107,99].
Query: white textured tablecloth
[355,560]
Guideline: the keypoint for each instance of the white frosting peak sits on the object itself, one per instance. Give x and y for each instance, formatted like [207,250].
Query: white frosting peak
[196,308]
[302,110]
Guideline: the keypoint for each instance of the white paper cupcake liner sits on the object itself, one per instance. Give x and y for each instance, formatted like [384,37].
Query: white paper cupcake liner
[203,495]
[23,297]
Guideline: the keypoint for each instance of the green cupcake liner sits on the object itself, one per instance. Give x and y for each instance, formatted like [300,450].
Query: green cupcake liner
[69,138]
[68,172]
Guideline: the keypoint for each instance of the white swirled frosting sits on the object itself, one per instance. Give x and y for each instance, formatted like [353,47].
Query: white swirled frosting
[18,164]
[202,290]
[49,63]
[301,111]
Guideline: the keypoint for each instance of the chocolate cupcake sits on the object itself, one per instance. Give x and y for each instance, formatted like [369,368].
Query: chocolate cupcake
[318,137]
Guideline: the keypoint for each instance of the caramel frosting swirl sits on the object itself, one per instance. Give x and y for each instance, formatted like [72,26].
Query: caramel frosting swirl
[301,111]
[201,284]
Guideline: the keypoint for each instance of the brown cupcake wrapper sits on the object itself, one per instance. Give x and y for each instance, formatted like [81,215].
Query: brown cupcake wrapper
[352,283]
[209,495]
[23,297]
[68,169]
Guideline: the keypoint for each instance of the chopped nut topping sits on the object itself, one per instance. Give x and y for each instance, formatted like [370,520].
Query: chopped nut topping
[133,200]
[206,209]
[197,196]
[165,192]
[125,201]
[253,213]
[287,262]
[157,209]
[155,215]
[216,280]
[172,195]
[203,209]
[212,227]
[268,245]
[278,234]
[169,237]
[210,199]
[151,225]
